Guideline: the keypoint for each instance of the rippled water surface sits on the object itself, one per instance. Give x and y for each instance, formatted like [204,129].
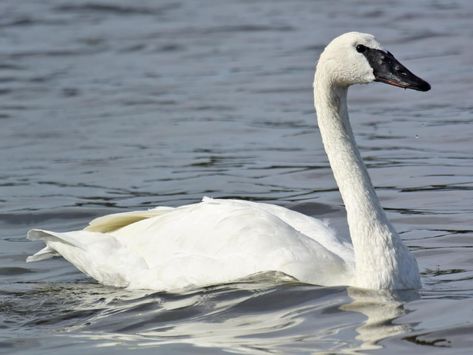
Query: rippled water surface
[109,106]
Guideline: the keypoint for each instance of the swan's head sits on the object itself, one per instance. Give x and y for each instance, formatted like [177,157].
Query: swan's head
[357,58]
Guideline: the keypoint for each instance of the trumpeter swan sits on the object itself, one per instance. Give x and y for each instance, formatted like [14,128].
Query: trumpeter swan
[217,241]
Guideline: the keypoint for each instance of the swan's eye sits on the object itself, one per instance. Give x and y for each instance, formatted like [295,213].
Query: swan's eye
[361,48]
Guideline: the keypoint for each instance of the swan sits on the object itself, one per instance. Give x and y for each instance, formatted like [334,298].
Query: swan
[221,240]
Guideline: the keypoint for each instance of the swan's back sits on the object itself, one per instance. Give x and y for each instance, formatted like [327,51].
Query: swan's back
[212,242]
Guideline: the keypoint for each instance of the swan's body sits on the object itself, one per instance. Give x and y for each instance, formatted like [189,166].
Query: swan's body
[217,241]
[210,242]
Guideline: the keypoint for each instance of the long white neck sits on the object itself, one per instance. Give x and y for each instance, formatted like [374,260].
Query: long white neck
[381,259]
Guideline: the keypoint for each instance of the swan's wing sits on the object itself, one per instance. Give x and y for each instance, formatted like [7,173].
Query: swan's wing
[112,222]
[221,240]
[316,229]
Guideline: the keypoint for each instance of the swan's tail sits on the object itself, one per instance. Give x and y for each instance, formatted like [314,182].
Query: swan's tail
[98,255]
[46,236]
[43,254]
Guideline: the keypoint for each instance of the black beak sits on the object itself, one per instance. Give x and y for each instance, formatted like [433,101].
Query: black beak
[387,69]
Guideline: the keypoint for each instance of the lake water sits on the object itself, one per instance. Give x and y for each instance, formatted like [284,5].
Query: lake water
[109,106]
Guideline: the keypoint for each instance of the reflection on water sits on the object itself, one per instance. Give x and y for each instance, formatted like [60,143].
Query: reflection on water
[108,106]
[252,317]
[381,308]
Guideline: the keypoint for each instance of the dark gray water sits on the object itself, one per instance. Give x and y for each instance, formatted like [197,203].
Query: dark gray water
[110,106]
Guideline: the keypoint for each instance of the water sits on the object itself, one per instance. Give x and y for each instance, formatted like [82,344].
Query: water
[109,106]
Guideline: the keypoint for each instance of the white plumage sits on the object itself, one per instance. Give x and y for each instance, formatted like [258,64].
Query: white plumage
[211,242]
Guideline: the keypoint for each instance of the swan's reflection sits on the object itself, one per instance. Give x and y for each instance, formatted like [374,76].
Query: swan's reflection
[252,318]
[381,308]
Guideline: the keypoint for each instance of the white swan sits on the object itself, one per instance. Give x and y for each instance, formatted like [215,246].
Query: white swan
[218,241]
